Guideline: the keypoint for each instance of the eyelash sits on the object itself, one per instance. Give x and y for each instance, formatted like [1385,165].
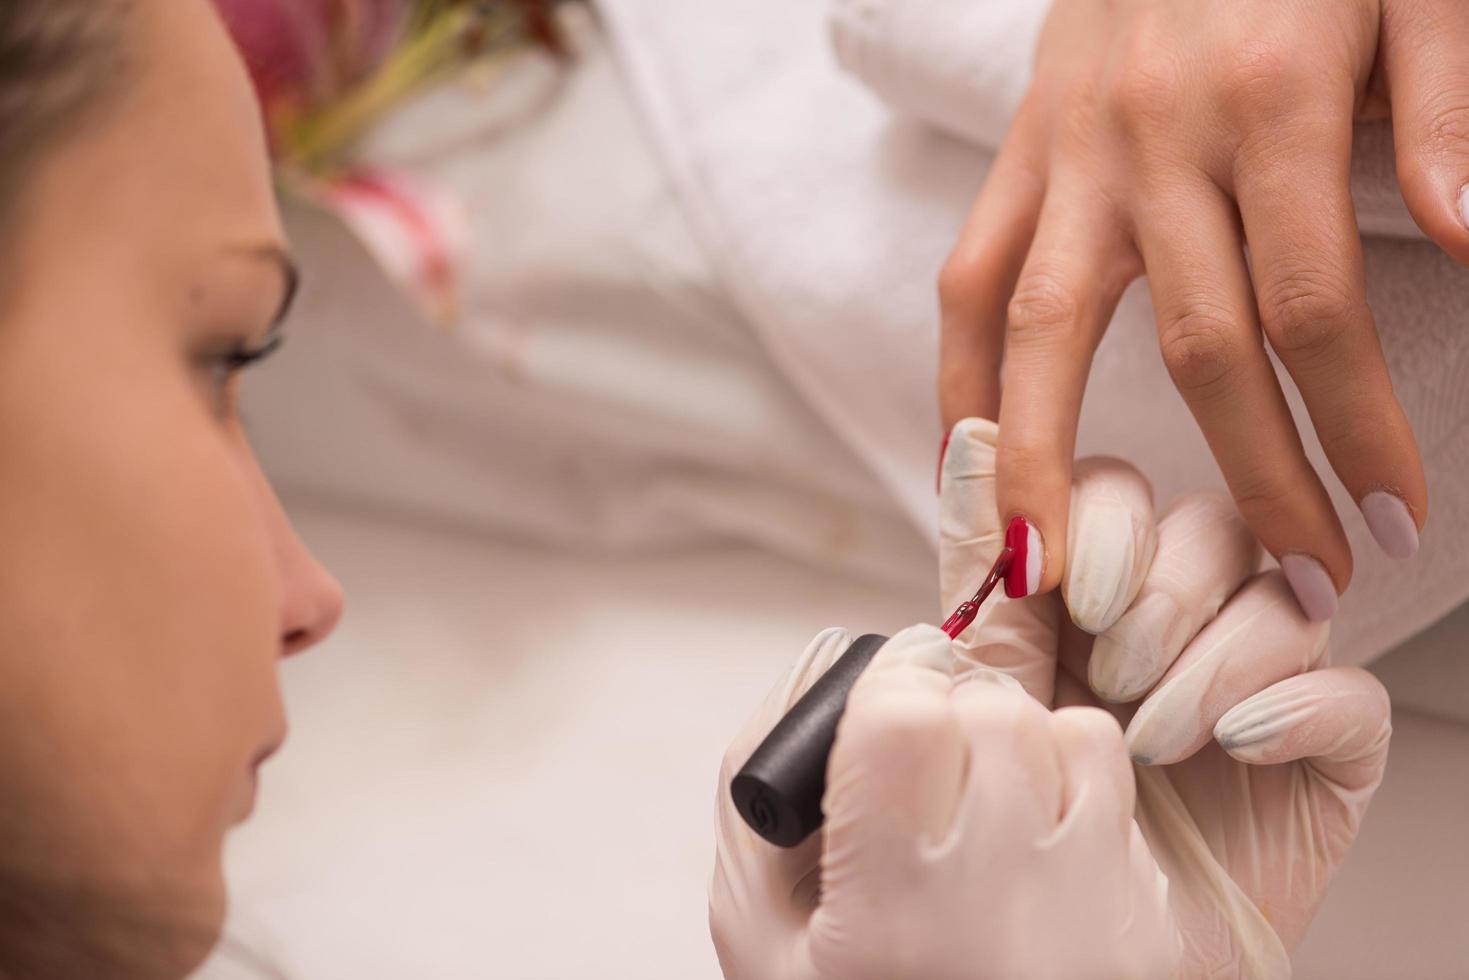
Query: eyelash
[236,360]
[226,366]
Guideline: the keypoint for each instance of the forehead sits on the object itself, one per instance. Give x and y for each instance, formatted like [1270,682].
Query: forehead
[187,140]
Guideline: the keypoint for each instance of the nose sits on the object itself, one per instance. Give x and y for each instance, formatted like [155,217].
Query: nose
[313,599]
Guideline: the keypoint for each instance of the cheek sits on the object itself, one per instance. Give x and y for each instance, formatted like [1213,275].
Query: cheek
[138,622]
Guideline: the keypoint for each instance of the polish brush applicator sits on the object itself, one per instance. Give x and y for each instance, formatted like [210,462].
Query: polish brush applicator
[778,792]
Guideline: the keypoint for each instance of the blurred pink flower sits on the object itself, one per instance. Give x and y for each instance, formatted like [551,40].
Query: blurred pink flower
[417,233]
[303,54]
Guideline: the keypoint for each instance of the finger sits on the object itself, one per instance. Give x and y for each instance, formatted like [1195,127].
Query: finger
[1204,553]
[1111,538]
[1068,289]
[1013,784]
[1096,773]
[1310,285]
[1207,329]
[1016,638]
[1209,340]
[1338,719]
[1422,56]
[979,275]
[1259,638]
[897,763]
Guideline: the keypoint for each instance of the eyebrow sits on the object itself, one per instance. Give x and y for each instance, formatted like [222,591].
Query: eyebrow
[290,274]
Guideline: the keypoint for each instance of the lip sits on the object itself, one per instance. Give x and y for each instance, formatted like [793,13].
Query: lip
[252,774]
[269,749]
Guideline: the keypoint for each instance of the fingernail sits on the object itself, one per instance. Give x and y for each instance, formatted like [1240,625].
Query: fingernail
[1313,587]
[938,480]
[1024,576]
[1464,205]
[1391,524]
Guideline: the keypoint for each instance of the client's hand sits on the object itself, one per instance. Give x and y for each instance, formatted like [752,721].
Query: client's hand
[1208,145]
[970,834]
[1256,761]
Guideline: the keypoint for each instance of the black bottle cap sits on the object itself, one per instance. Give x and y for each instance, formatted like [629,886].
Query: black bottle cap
[779,790]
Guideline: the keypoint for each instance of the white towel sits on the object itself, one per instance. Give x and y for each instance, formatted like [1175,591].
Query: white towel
[827,219]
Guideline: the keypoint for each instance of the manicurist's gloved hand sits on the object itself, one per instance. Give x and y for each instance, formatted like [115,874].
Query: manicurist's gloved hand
[1255,760]
[971,834]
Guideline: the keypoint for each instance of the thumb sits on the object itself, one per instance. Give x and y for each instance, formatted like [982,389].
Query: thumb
[1017,637]
[897,765]
[1423,44]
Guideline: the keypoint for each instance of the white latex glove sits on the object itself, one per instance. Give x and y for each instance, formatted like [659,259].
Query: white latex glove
[964,824]
[1256,760]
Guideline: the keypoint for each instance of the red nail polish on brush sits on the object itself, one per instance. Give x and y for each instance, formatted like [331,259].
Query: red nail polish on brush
[1024,575]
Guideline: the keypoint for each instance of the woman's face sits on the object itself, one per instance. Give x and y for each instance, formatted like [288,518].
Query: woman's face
[149,582]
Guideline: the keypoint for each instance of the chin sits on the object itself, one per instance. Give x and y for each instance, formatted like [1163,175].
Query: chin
[98,930]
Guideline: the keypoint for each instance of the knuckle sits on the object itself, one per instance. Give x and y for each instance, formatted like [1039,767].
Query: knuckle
[1303,312]
[1259,73]
[1200,348]
[1079,118]
[954,281]
[961,280]
[1144,91]
[1260,493]
[1445,126]
[1043,307]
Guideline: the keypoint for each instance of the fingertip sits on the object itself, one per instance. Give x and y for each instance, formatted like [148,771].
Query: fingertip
[1028,558]
[1436,193]
[1112,538]
[1391,524]
[823,650]
[967,455]
[923,647]
[1337,716]
[1314,589]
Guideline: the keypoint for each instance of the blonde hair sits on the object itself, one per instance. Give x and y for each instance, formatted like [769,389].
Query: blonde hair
[60,62]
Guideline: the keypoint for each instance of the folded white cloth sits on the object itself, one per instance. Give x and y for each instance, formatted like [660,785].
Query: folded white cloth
[964,67]
[598,393]
[827,220]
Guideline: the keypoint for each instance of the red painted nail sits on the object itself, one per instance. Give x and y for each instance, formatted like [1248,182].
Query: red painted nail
[1024,575]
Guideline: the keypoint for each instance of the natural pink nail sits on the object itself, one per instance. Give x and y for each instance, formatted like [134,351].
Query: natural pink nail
[1312,585]
[1391,524]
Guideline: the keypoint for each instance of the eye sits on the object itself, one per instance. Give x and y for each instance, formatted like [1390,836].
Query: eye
[224,367]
